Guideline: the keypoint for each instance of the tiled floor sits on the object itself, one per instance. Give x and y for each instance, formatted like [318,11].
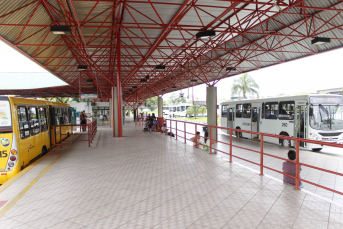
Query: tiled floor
[148,180]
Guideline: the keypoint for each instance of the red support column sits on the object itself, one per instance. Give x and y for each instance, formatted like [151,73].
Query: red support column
[120,130]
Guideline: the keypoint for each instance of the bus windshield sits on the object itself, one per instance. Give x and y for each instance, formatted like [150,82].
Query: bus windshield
[5,115]
[326,117]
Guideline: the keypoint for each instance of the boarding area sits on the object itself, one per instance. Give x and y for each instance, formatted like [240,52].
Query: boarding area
[152,180]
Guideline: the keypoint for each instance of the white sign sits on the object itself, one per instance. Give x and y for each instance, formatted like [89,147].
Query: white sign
[5,114]
[89,96]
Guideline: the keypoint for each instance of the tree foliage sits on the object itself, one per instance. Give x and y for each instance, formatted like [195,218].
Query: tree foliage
[195,110]
[176,99]
[151,101]
[245,84]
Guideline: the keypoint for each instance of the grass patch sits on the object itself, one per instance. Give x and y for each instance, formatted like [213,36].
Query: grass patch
[198,119]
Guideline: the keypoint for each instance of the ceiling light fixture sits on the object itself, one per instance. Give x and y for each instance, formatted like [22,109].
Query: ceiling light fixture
[59,29]
[82,67]
[194,80]
[160,67]
[205,34]
[230,68]
[134,87]
[90,80]
[320,40]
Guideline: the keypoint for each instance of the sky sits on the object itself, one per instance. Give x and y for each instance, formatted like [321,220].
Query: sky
[309,74]
[323,71]
[13,61]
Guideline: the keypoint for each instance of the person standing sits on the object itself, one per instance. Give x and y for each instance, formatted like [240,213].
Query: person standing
[289,168]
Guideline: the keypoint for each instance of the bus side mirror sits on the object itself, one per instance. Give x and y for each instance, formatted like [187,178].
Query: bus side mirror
[311,111]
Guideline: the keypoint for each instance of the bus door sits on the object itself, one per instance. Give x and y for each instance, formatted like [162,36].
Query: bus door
[51,123]
[300,129]
[230,118]
[255,122]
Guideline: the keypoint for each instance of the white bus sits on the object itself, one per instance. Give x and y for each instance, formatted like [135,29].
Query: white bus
[176,110]
[316,117]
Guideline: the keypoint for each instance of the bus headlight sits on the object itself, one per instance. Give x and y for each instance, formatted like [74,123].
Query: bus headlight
[316,137]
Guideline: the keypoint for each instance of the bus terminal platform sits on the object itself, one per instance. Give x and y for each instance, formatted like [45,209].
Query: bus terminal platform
[149,180]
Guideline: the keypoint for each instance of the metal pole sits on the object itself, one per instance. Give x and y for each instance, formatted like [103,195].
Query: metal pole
[230,145]
[176,130]
[196,140]
[210,139]
[261,156]
[297,170]
[89,139]
[120,131]
[170,132]
[60,136]
[184,131]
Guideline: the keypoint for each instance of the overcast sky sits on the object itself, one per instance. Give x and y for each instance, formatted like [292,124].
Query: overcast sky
[323,71]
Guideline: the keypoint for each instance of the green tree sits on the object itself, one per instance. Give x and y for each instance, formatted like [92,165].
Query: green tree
[195,110]
[151,101]
[245,84]
[165,103]
[176,99]
[202,110]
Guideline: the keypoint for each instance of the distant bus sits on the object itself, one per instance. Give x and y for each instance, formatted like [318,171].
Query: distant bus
[179,110]
[316,117]
[26,131]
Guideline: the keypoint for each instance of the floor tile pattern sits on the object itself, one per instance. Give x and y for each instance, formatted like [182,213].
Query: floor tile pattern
[148,180]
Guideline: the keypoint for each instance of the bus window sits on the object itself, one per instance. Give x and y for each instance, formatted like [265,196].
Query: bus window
[262,113]
[239,108]
[286,110]
[246,110]
[224,111]
[23,123]
[57,112]
[34,121]
[271,110]
[65,116]
[69,114]
[42,119]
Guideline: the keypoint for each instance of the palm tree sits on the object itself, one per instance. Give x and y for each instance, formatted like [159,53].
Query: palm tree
[245,84]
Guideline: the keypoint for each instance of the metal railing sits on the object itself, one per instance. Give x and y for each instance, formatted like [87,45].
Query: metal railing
[261,164]
[89,130]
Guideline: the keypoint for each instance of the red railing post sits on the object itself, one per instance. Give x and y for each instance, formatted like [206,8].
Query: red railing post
[89,140]
[176,130]
[230,145]
[261,156]
[184,130]
[170,132]
[210,139]
[297,170]
[195,131]
[60,136]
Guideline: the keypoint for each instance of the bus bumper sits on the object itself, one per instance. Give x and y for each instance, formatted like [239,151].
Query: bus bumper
[3,177]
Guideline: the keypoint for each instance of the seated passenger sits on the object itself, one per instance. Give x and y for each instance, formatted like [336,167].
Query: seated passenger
[196,140]
[155,124]
[290,168]
[164,128]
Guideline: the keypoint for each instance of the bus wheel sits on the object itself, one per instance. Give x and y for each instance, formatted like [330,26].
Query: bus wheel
[286,142]
[238,134]
[44,151]
[316,149]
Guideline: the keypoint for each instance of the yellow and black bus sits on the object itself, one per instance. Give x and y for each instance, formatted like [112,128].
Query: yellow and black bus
[26,131]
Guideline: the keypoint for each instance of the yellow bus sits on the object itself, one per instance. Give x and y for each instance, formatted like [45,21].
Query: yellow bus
[26,131]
